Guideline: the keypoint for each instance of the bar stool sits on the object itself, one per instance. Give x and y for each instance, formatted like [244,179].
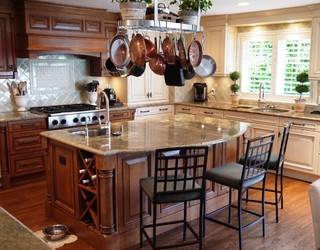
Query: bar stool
[241,177]
[276,164]
[179,177]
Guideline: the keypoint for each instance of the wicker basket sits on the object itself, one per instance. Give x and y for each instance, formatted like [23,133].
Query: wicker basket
[133,10]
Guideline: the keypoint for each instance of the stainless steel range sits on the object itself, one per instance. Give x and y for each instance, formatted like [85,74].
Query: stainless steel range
[71,115]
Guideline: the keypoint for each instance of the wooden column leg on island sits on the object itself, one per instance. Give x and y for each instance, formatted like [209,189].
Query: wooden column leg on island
[106,183]
[106,166]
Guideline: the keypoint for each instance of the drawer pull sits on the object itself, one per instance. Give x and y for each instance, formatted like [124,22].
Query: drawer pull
[163,109]
[185,109]
[298,124]
[144,111]
[208,113]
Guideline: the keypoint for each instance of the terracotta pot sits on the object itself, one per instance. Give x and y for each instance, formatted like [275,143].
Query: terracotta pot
[299,105]
[234,99]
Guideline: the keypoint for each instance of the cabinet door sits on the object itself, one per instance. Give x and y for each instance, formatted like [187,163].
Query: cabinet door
[302,151]
[137,89]
[149,87]
[261,130]
[6,47]
[64,163]
[158,90]
[220,43]
[314,73]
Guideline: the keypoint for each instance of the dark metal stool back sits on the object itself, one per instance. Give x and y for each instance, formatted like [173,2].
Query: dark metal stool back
[179,177]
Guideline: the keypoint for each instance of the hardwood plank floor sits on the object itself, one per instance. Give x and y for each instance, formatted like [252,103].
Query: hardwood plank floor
[294,230]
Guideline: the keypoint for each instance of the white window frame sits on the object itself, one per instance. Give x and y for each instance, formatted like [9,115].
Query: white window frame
[273,36]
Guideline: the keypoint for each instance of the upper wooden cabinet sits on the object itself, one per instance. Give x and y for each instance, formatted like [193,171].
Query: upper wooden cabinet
[314,73]
[53,27]
[7,46]
[220,43]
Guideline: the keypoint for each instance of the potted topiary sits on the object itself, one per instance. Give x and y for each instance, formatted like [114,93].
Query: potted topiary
[133,9]
[235,76]
[301,88]
[189,9]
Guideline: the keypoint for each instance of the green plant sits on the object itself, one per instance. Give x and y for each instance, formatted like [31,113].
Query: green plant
[193,4]
[125,1]
[234,76]
[302,88]
[234,88]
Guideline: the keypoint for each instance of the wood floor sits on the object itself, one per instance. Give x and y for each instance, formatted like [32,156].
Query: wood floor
[294,230]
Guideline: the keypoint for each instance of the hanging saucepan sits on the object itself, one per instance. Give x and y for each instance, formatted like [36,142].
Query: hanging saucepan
[195,53]
[138,71]
[182,54]
[119,50]
[151,50]
[137,50]
[157,63]
[189,72]
[119,71]
[168,50]
[173,74]
[207,66]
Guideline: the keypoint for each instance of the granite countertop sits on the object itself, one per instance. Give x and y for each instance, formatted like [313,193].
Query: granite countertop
[253,110]
[148,135]
[15,235]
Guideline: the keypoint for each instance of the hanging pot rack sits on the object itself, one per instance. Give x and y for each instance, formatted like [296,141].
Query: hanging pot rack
[160,26]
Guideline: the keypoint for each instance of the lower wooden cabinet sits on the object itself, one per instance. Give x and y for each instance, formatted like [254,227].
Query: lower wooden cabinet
[24,151]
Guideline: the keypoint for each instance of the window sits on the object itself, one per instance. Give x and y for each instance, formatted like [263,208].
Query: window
[274,58]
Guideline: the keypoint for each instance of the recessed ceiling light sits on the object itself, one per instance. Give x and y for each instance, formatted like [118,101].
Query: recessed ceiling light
[242,3]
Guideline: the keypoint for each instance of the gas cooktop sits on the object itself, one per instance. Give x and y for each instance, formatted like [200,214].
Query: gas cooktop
[63,108]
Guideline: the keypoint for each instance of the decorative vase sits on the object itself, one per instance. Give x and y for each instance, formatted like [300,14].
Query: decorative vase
[235,98]
[189,16]
[21,102]
[133,10]
[92,97]
[299,105]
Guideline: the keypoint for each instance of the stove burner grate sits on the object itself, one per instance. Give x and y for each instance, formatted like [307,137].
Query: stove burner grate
[63,108]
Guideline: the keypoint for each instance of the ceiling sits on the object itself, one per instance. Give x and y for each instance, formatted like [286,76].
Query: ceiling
[219,6]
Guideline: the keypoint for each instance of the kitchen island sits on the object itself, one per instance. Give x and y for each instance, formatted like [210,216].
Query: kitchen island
[93,183]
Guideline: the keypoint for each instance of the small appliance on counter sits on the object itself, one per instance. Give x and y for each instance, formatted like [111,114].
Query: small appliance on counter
[200,92]
[111,96]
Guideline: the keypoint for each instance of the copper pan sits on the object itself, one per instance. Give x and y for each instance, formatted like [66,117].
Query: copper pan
[151,50]
[182,54]
[137,50]
[157,64]
[168,51]
[195,53]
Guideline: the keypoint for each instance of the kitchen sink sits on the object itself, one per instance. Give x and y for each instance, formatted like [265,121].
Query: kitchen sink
[243,107]
[270,110]
[92,132]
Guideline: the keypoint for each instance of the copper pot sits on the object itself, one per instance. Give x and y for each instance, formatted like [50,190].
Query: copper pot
[137,50]
[157,64]
[168,50]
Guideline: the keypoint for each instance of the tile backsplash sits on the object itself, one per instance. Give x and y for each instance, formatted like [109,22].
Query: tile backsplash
[73,75]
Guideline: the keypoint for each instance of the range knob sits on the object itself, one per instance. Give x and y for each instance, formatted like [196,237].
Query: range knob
[94,118]
[83,119]
[101,117]
[63,121]
[54,122]
[75,120]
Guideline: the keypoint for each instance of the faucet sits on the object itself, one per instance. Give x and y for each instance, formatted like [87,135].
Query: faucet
[108,123]
[261,94]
